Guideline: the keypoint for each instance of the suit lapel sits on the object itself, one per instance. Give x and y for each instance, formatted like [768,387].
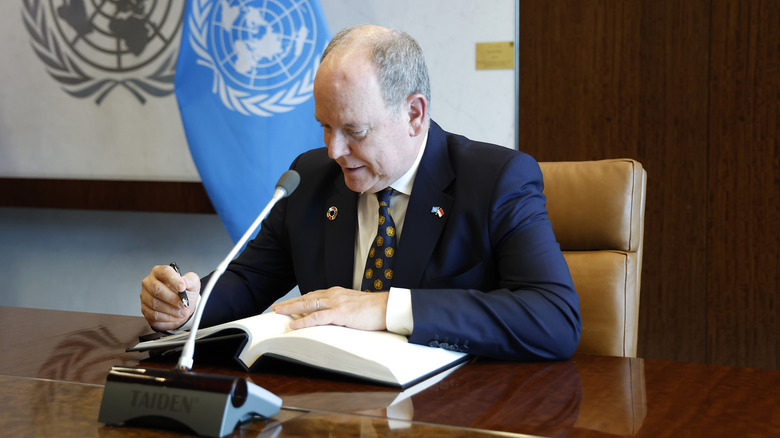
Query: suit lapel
[422,227]
[340,236]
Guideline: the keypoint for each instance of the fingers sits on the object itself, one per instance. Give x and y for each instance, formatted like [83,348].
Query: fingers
[192,282]
[160,302]
[305,304]
[322,317]
[310,310]
[337,306]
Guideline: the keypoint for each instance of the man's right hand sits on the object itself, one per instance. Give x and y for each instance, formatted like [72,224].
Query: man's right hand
[160,302]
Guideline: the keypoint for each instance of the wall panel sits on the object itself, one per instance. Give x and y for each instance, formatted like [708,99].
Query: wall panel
[579,79]
[743,306]
[691,90]
[673,146]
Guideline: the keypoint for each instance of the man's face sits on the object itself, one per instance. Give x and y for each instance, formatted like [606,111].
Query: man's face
[372,145]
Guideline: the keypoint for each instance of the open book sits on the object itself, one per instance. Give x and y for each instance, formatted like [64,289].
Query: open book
[377,356]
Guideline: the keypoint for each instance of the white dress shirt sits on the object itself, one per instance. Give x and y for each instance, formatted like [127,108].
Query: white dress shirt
[399,317]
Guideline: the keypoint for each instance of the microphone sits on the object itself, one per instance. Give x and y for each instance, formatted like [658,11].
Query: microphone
[207,404]
[287,183]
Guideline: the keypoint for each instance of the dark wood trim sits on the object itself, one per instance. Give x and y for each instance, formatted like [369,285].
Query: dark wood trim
[154,196]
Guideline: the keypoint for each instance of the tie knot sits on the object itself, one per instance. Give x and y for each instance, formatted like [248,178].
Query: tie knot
[383,196]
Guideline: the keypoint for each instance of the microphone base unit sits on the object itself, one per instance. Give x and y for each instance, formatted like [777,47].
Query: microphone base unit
[206,404]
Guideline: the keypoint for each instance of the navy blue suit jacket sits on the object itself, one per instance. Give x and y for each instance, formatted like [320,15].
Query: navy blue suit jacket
[487,277]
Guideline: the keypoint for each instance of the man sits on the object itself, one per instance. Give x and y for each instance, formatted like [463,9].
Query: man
[476,267]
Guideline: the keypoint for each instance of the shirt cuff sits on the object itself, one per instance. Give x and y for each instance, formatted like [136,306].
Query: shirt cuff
[187,326]
[399,317]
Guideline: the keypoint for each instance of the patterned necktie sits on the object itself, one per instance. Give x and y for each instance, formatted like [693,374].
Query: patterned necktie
[379,264]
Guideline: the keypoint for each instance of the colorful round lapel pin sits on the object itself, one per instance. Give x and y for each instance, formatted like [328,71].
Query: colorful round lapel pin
[332,213]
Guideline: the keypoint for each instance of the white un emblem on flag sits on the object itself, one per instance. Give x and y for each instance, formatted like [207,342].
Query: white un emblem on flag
[262,52]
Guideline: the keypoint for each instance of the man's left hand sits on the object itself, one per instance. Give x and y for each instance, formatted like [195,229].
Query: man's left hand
[337,306]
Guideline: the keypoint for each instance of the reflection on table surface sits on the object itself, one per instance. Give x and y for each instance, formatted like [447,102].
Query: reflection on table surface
[52,408]
[587,395]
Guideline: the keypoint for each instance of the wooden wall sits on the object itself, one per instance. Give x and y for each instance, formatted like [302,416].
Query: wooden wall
[690,89]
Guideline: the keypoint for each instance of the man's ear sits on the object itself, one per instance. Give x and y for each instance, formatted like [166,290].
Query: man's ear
[417,106]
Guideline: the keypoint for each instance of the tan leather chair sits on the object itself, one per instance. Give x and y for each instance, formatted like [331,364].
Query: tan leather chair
[597,209]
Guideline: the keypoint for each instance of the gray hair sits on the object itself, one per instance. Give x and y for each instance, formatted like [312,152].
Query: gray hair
[398,59]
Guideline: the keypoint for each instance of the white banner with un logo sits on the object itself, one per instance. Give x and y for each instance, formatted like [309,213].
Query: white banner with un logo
[244,84]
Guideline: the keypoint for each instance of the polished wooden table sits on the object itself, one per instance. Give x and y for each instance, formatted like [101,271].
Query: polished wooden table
[53,365]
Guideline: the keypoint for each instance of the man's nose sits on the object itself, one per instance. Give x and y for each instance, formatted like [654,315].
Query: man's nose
[337,146]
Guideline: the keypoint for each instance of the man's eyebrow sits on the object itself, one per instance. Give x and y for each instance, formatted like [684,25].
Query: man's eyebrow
[349,125]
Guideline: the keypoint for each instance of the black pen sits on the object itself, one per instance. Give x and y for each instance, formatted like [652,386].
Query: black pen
[183,294]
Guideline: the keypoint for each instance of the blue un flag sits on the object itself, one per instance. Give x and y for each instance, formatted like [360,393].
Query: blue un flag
[244,83]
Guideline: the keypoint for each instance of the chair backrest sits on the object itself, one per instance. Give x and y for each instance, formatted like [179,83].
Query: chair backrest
[597,209]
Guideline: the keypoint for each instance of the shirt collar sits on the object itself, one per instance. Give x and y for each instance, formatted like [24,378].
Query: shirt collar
[406,181]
